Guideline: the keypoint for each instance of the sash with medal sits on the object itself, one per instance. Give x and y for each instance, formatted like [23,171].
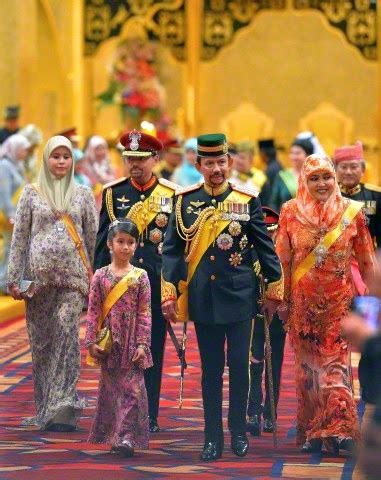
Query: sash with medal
[234,207]
[321,250]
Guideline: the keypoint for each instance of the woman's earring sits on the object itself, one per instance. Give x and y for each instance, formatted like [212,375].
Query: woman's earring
[110,251]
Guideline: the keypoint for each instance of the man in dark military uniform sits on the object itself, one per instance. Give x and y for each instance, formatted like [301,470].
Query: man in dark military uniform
[257,363]
[148,202]
[268,154]
[350,166]
[11,119]
[208,278]
[172,158]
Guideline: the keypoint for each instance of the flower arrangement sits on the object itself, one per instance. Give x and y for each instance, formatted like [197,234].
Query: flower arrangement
[134,83]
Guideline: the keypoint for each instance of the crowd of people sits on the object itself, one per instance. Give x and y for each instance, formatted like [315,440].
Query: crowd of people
[193,232]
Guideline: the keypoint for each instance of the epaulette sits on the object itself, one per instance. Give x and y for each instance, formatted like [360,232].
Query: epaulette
[114,182]
[169,184]
[190,188]
[247,191]
[373,188]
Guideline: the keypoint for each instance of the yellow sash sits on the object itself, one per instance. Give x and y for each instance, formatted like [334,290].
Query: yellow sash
[5,224]
[112,297]
[72,231]
[329,239]
[207,237]
[142,215]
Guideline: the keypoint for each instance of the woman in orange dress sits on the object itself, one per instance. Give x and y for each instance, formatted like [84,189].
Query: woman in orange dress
[318,231]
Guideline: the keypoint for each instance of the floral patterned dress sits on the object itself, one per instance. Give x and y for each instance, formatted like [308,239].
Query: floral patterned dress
[43,251]
[317,305]
[122,407]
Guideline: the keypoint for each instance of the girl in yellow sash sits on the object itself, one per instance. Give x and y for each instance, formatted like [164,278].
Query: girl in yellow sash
[120,311]
[318,232]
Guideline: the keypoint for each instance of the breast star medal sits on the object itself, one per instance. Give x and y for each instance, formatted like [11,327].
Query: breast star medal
[235,259]
[155,236]
[161,220]
[234,228]
[224,241]
[243,242]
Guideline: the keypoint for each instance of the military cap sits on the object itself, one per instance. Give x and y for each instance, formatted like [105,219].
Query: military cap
[11,111]
[173,146]
[266,143]
[71,134]
[271,218]
[212,145]
[139,144]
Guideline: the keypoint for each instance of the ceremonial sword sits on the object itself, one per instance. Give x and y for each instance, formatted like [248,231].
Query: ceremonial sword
[268,361]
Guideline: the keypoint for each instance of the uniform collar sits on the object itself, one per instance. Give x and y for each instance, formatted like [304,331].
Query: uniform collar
[244,176]
[214,192]
[146,186]
[351,191]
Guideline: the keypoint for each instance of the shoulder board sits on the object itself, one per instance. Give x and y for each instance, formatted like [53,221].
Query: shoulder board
[115,182]
[247,191]
[373,188]
[167,183]
[190,188]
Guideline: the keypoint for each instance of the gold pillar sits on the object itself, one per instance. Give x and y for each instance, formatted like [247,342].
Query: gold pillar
[78,67]
[377,168]
[194,15]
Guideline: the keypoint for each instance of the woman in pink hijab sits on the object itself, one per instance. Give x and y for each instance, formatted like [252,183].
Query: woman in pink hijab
[318,231]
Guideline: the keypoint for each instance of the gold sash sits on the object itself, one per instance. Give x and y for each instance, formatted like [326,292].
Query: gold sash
[329,239]
[141,214]
[206,239]
[112,297]
[72,231]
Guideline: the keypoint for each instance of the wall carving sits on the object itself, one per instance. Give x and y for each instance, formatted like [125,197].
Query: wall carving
[357,19]
[163,21]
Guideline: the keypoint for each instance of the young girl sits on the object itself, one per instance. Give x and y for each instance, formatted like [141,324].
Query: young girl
[121,417]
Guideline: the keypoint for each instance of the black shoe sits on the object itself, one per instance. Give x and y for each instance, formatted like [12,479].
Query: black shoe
[268,425]
[211,451]
[341,443]
[60,427]
[153,425]
[125,449]
[253,425]
[240,445]
[312,446]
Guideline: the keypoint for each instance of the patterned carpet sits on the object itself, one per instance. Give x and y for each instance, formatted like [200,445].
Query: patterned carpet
[27,453]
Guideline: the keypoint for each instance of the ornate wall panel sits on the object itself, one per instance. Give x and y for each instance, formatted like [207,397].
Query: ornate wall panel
[357,19]
[163,20]
[223,18]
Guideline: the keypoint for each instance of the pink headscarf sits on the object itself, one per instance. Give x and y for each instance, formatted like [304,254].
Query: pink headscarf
[315,215]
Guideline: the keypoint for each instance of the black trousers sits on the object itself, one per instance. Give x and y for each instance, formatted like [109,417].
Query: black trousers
[152,376]
[277,341]
[211,343]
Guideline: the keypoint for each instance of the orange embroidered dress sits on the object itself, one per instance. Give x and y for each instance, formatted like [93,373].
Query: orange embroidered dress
[317,303]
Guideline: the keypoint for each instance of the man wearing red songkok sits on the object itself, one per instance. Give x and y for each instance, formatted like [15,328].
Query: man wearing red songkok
[350,166]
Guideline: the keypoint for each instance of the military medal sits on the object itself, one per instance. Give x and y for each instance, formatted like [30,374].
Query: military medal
[234,228]
[224,241]
[234,211]
[161,220]
[155,235]
[123,200]
[235,259]
[160,204]
[243,242]
[197,204]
